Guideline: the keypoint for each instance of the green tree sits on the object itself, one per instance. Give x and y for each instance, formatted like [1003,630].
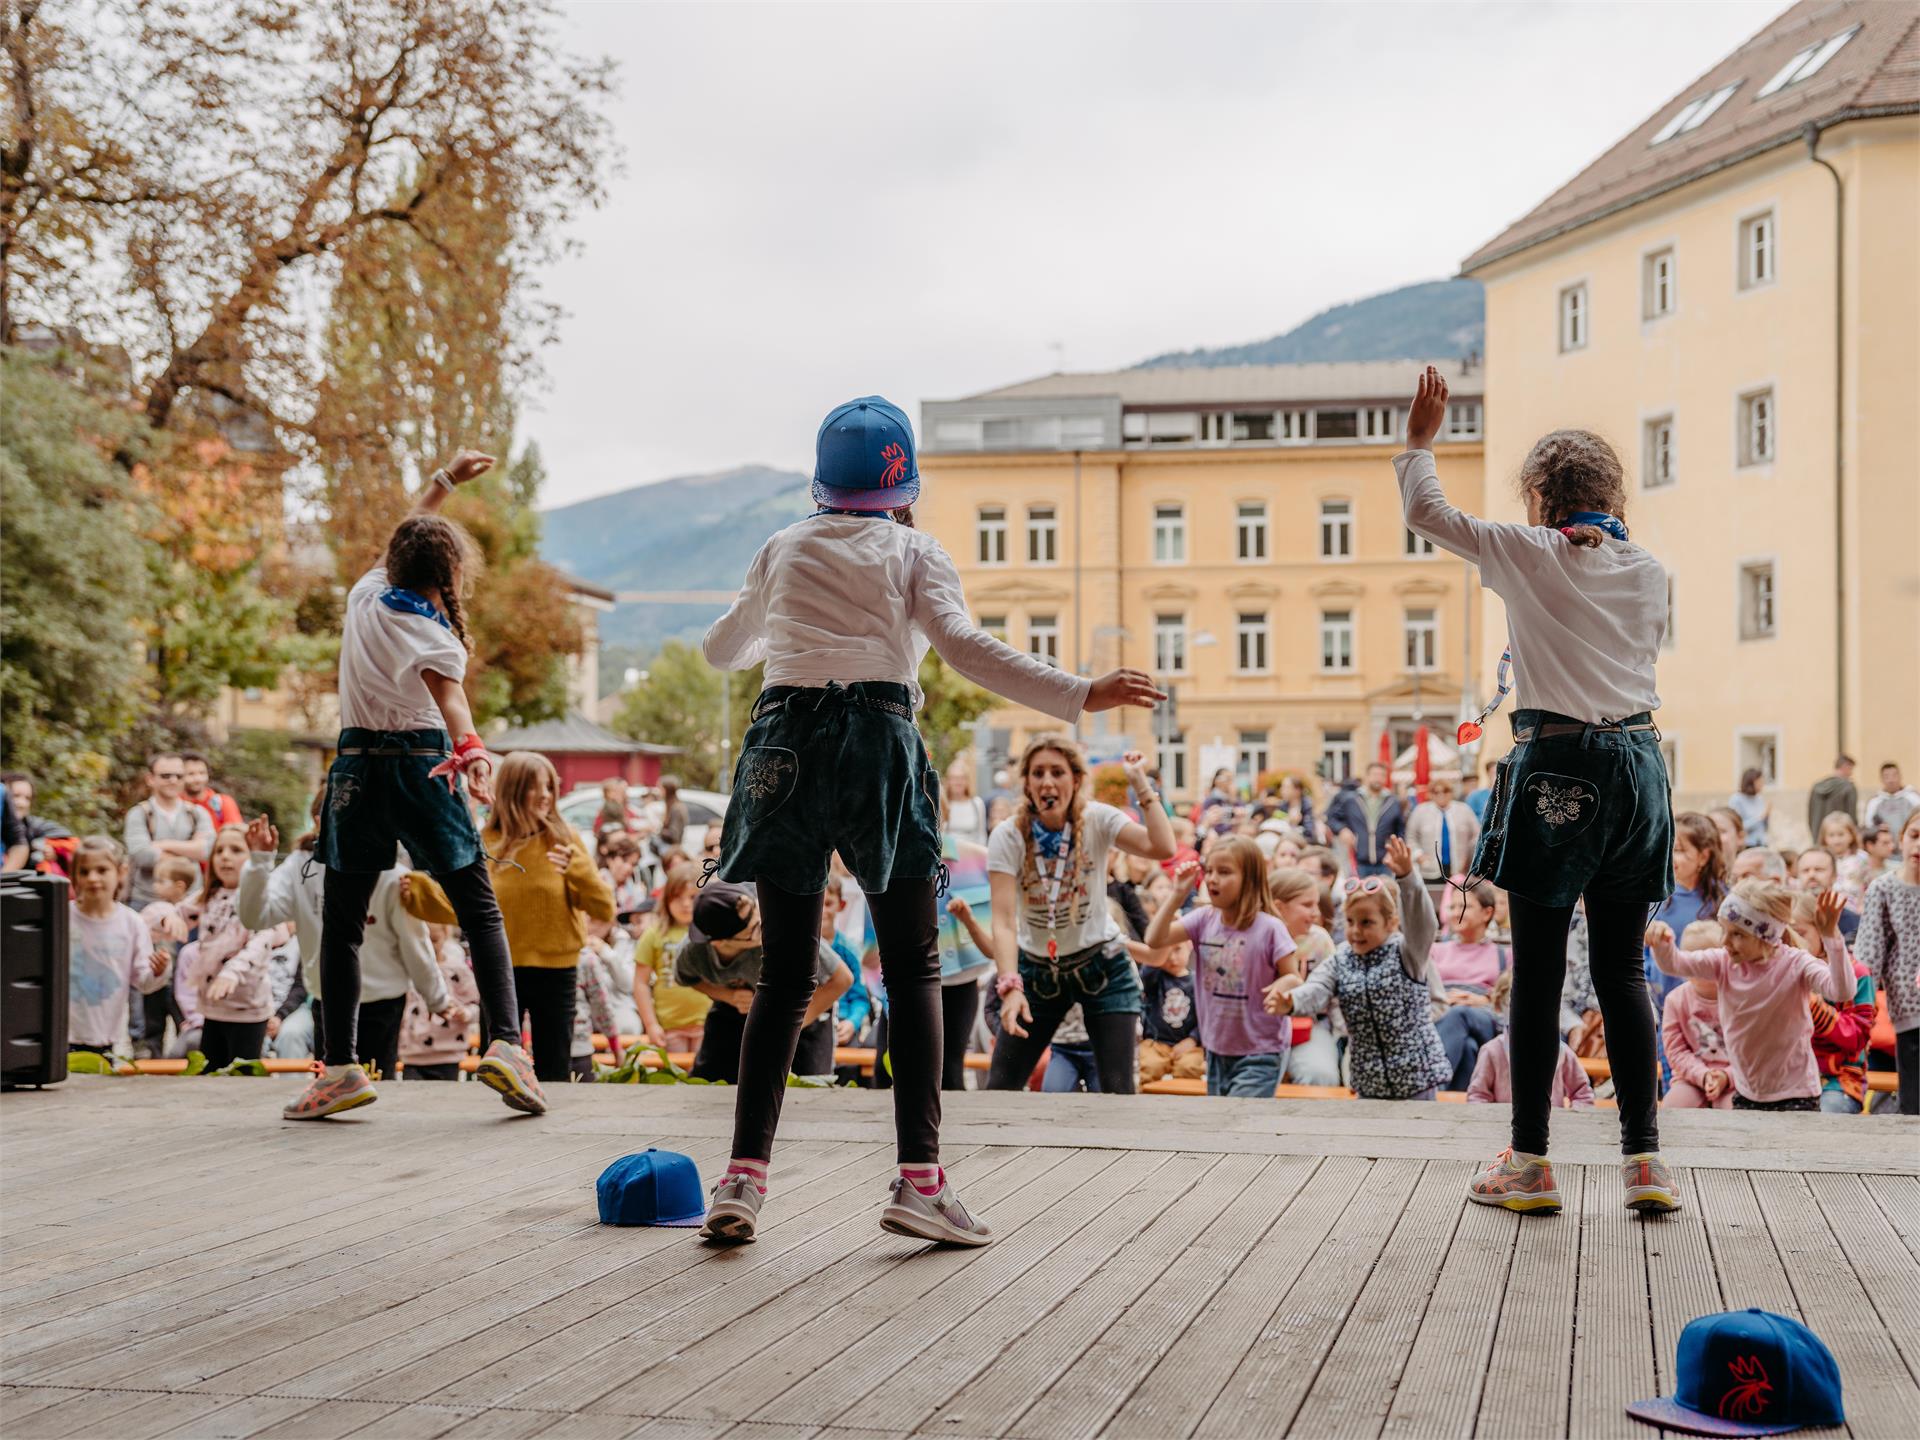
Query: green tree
[679,704]
[953,703]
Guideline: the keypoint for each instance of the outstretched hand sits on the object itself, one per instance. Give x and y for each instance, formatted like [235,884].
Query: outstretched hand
[1118,688]
[1660,939]
[1399,857]
[1428,411]
[261,836]
[469,465]
[1826,912]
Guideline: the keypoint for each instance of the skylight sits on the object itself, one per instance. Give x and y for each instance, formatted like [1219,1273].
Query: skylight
[1808,62]
[1695,113]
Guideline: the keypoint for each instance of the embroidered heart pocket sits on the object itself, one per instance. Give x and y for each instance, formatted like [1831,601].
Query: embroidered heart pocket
[1560,807]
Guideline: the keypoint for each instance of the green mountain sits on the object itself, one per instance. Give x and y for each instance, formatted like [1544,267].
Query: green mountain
[1438,319]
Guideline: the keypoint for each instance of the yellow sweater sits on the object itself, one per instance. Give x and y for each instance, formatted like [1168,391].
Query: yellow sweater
[541,907]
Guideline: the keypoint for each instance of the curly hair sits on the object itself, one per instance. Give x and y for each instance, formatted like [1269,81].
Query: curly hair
[1573,470]
[431,552]
[1024,814]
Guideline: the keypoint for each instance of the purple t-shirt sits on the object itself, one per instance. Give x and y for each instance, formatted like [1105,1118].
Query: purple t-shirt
[1231,970]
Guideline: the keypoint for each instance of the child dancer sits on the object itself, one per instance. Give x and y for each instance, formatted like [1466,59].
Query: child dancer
[1380,975]
[398,778]
[842,606]
[1691,1034]
[1492,1081]
[1763,983]
[1240,950]
[109,950]
[1889,940]
[1842,1030]
[1580,805]
[228,969]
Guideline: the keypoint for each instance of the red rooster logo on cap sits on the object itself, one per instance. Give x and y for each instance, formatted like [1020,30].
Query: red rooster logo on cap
[1748,1398]
[896,457]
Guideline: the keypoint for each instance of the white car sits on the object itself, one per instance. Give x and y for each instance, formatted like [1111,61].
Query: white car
[704,808]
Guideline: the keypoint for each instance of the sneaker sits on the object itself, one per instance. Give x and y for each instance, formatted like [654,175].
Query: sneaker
[1523,1185]
[940,1218]
[1650,1184]
[507,1069]
[332,1091]
[734,1212]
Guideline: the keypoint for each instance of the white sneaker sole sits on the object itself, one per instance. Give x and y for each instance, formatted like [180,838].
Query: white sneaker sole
[1652,1200]
[899,1220]
[496,1076]
[730,1224]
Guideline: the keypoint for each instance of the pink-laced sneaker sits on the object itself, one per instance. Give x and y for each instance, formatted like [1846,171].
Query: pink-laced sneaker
[509,1070]
[331,1092]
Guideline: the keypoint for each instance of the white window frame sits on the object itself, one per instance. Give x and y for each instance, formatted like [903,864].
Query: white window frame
[1380,422]
[1336,755]
[1043,638]
[1757,257]
[1419,635]
[1773,740]
[1252,642]
[1043,535]
[1465,420]
[1416,547]
[1338,633]
[1657,279]
[1252,755]
[1293,427]
[1575,319]
[990,534]
[1250,531]
[1694,113]
[1658,464]
[1169,533]
[1214,427]
[1170,755]
[1336,524]
[1170,644]
[1240,420]
[1808,63]
[1757,428]
[1754,624]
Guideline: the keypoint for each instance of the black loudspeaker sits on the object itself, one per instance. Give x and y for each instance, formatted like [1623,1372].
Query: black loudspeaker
[33,980]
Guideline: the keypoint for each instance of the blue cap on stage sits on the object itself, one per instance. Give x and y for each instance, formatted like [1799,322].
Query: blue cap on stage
[1747,1372]
[655,1187]
[863,457]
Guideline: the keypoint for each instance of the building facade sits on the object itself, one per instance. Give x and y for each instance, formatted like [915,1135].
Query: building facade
[1236,531]
[1731,295]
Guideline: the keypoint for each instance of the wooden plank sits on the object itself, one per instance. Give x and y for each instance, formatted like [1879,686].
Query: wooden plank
[1613,1324]
[1081,1400]
[327,1420]
[503,1424]
[1528,1371]
[89,1413]
[17,1402]
[1353,1389]
[1886,1270]
[1743,1255]
[1266,1388]
[237,1419]
[1681,1281]
[1882,1397]
[1899,1200]
[416,1422]
[1439,1390]
[1097,1310]
[1176,1395]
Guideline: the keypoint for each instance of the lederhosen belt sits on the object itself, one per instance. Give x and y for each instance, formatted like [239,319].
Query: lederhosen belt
[440,753]
[860,693]
[1051,975]
[1547,732]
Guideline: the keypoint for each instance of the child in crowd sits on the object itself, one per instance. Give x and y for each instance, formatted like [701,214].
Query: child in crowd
[1470,962]
[1692,1037]
[227,970]
[612,949]
[433,1043]
[592,1014]
[1301,903]
[1239,950]
[1168,1022]
[1380,977]
[1700,883]
[853,1013]
[1730,834]
[620,859]
[672,1015]
[1492,1082]
[168,917]
[1842,1030]
[1763,982]
[1840,838]
[1889,940]
[109,949]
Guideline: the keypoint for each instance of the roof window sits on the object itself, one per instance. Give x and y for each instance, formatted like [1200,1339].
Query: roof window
[1695,113]
[1808,62]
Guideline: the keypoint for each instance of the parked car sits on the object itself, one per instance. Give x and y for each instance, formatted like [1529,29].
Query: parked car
[704,808]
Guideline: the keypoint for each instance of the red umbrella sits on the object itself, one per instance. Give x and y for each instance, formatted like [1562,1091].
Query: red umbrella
[1386,749]
[1422,762]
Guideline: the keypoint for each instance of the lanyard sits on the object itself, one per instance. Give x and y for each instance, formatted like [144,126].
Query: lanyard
[1469,730]
[1058,878]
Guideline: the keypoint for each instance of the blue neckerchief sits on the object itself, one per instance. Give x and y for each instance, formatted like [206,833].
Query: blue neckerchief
[411,602]
[1612,524]
[1048,842]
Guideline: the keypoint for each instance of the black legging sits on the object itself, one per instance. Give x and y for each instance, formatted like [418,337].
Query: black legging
[225,1041]
[1906,1064]
[1616,934]
[1115,1037]
[376,1036]
[548,994]
[959,1009]
[904,923]
[343,921]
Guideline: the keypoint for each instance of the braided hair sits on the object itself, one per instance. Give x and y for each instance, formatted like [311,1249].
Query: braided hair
[1025,813]
[1573,470]
[431,552]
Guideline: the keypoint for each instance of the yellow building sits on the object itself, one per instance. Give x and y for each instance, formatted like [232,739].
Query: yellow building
[1235,530]
[1732,296]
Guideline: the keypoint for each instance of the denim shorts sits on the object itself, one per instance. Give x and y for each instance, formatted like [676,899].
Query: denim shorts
[1589,813]
[839,767]
[379,794]
[1101,980]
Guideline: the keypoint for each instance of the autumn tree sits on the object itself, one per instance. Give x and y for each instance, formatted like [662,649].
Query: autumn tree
[952,703]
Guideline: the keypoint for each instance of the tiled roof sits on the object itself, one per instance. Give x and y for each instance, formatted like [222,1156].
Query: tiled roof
[1243,384]
[1877,72]
[574,735]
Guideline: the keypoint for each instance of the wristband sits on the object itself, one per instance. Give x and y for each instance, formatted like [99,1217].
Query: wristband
[443,479]
[1005,985]
[470,750]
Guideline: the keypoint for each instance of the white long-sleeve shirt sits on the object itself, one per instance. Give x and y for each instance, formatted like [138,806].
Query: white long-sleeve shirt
[853,597]
[1584,623]
[395,950]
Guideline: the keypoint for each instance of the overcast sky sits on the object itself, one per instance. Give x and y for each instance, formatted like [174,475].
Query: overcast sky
[926,200]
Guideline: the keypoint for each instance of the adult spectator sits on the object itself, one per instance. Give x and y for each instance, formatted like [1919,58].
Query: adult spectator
[1442,832]
[20,790]
[1894,803]
[616,810]
[1834,794]
[673,813]
[223,810]
[1476,796]
[165,823]
[1816,872]
[1365,818]
[966,811]
[1751,806]
[1296,808]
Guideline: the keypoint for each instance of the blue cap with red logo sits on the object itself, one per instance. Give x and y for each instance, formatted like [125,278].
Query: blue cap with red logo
[863,457]
[1747,1372]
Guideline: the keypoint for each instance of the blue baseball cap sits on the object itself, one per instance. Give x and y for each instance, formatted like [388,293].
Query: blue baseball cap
[1747,1372]
[656,1187]
[864,457]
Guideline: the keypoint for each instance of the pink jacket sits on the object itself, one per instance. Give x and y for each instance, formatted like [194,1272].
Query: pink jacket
[225,945]
[1690,1031]
[1764,1015]
[426,1039]
[1492,1082]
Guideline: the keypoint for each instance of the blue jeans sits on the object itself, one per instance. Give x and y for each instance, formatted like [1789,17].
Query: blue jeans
[1069,1068]
[1250,1077]
[295,1040]
[1463,1031]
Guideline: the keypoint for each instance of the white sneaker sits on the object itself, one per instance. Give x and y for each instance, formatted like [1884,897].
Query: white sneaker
[940,1218]
[734,1212]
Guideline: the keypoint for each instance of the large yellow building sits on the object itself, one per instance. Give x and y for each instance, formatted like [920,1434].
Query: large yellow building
[1732,295]
[1235,530]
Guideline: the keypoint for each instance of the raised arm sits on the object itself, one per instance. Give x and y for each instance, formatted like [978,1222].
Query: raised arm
[467,465]
[940,610]
[1834,979]
[1418,924]
[1165,928]
[1151,836]
[1427,512]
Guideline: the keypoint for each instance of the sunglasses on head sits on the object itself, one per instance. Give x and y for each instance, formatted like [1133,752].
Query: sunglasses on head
[1371,885]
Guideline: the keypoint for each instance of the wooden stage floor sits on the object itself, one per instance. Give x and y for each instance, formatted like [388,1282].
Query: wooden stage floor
[179,1262]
